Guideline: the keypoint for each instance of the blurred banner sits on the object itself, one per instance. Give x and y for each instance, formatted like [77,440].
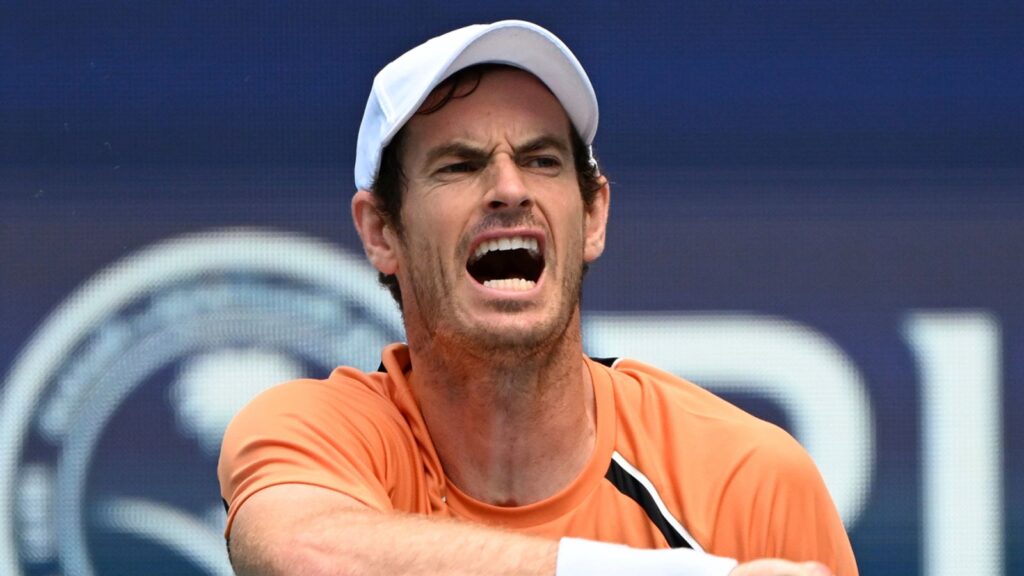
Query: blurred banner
[818,212]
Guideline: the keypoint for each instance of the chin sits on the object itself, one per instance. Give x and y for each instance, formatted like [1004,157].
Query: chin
[521,336]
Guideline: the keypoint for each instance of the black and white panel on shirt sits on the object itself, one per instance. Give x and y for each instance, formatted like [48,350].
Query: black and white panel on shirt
[634,484]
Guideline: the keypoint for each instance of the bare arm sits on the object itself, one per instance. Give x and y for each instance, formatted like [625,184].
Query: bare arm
[299,529]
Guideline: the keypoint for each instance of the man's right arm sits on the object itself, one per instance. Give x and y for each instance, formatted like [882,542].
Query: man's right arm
[301,529]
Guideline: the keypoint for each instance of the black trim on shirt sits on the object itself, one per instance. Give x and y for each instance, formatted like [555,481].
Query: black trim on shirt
[631,487]
[606,361]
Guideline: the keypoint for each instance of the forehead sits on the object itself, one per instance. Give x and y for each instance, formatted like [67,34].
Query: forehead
[499,103]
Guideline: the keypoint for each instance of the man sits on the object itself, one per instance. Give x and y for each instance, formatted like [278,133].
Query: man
[490,444]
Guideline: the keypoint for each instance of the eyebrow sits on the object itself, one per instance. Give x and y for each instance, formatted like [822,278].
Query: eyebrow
[456,149]
[470,152]
[542,142]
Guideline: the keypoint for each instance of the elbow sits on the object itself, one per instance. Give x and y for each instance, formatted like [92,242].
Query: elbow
[317,557]
[295,553]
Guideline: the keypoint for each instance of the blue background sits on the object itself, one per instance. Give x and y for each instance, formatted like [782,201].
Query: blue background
[836,163]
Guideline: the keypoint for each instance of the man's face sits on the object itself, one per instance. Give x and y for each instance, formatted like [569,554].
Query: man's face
[494,229]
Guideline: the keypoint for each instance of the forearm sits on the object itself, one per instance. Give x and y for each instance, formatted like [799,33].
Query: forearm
[369,542]
[295,529]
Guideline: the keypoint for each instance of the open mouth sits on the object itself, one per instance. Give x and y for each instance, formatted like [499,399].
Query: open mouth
[514,263]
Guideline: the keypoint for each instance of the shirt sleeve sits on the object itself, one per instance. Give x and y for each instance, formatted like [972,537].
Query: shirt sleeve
[335,434]
[780,499]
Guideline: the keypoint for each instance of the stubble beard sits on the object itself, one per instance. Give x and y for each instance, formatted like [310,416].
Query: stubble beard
[447,328]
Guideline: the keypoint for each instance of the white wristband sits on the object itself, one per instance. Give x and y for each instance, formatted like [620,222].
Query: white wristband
[578,557]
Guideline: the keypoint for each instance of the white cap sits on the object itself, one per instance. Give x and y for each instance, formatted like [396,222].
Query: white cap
[402,86]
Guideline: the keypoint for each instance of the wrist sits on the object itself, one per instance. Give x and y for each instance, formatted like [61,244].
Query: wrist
[578,557]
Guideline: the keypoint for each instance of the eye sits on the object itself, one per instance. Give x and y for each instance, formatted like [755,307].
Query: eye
[543,162]
[458,168]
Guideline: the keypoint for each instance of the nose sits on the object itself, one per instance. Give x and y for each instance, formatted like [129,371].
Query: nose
[507,188]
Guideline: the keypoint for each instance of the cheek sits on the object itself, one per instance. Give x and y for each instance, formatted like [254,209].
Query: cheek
[429,243]
[575,223]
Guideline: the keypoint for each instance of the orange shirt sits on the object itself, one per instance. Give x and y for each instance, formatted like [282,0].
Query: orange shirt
[673,465]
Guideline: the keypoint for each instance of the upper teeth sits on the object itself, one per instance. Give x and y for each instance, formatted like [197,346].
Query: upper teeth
[512,243]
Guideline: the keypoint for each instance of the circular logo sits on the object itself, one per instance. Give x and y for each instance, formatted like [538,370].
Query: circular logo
[112,415]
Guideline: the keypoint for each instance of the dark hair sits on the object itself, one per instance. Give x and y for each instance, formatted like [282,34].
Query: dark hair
[390,183]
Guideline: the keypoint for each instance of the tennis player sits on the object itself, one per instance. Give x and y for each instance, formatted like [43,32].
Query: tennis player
[489,443]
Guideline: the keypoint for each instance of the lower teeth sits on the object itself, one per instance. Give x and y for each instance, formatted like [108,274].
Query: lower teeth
[514,284]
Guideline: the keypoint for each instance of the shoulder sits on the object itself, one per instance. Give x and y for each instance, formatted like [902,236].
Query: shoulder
[344,386]
[348,404]
[714,440]
[341,390]
[342,433]
[642,388]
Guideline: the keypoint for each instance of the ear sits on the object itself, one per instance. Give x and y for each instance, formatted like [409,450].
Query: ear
[378,236]
[595,222]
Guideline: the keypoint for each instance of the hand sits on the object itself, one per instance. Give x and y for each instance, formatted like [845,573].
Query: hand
[774,567]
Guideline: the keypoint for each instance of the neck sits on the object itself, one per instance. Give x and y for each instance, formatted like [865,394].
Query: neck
[508,430]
